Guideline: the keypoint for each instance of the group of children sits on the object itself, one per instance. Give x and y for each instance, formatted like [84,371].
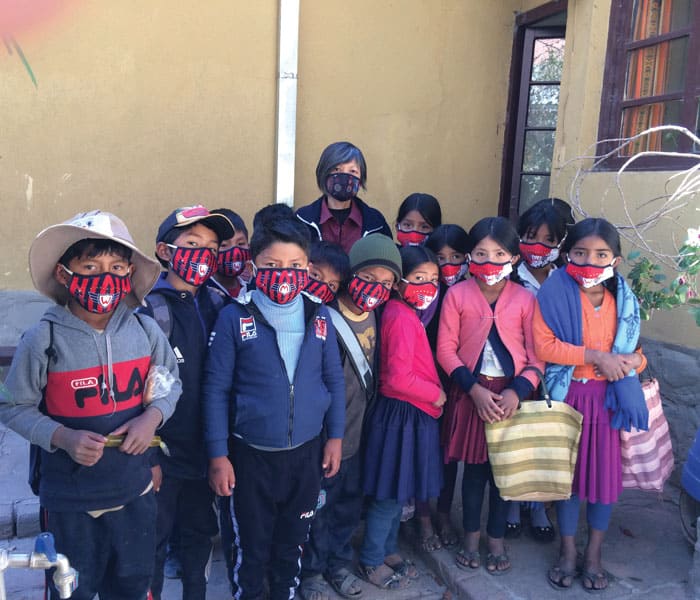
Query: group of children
[307,375]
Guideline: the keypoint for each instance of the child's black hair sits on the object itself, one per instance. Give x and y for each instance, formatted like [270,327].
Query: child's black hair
[427,205]
[236,220]
[450,235]
[598,228]
[336,154]
[277,223]
[92,247]
[552,212]
[333,256]
[413,256]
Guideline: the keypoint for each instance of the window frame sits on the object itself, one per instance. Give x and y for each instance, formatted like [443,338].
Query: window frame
[614,81]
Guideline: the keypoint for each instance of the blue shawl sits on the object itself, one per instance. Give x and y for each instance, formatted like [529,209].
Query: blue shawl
[560,304]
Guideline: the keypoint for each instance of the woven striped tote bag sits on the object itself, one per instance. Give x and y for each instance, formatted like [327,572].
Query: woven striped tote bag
[533,454]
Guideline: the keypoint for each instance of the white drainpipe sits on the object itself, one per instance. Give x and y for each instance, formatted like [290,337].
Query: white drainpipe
[287,101]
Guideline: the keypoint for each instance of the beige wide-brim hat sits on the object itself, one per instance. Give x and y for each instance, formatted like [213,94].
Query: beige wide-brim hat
[48,247]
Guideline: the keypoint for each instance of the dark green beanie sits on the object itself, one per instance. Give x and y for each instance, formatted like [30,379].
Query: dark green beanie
[375,250]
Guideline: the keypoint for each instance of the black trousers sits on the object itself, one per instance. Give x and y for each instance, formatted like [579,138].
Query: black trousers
[274,503]
[113,553]
[328,548]
[189,503]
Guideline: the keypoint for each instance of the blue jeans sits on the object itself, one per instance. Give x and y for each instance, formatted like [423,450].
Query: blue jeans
[381,532]
[597,515]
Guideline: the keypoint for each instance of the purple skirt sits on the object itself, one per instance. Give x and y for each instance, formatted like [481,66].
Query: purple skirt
[598,473]
[402,458]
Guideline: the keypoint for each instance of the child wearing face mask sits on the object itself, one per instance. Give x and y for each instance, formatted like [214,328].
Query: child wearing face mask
[542,229]
[485,342]
[233,260]
[183,305]
[586,327]
[274,408]
[373,268]
[450,244]
[339,215]
[418,216]
[97,500]
[402,457]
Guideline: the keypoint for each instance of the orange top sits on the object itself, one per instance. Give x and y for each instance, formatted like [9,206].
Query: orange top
[599,327]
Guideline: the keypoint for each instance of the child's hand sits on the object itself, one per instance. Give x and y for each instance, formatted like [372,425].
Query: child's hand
[486,403]
[332,455]
[611,366]
[509,403]
[84,447]
[139,431]
[631,361]
[222,479]
[156,477]
[441,400]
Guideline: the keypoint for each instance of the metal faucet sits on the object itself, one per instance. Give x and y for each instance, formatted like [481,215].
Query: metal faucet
[44,557]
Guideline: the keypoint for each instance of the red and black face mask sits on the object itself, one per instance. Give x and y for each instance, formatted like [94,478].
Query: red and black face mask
[98,293]
[321,290]
[367,295]
[491,272]
[193,265]
[232,261]
[411,238]
[281,285]
[451,273]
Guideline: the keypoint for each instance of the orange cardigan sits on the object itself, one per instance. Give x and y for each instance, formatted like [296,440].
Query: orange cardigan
[465,322]
[599,327]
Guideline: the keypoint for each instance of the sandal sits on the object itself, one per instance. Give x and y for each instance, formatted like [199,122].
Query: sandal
[557,576]
[314,588]
[404,568]
[542,534]
[381,576]
[592,578]
[513,530]
[448,534]
[344,583]
[468,560]
[492,562]
[430,543]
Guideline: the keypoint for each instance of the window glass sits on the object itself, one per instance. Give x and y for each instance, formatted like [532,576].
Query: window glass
[543,106]
[639,118]
[658,17]
[532,189]
[539,147]
[547,59]
[657,69]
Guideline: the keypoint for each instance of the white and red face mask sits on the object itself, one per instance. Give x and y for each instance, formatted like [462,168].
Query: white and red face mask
[411,238]
[419,295]
[538,255]
[491,272]
[98,294]
[193,265]
[281,285]
[451,273]
[588,275]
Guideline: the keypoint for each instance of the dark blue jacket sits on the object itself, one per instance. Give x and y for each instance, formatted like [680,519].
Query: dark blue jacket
[372,220]
[191,319]
[247,392]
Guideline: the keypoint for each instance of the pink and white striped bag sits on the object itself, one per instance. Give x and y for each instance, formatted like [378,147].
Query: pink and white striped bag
[647,456]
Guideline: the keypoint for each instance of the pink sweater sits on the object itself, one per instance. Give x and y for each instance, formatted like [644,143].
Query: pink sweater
[466,319]
[407,370]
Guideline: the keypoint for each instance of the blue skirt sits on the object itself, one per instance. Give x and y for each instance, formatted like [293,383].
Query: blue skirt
[403,459]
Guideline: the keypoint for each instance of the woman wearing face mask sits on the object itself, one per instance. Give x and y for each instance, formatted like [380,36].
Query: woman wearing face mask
[484,343]
[402,459]
[586,327]
[419,214]
[339,216]
[450,244]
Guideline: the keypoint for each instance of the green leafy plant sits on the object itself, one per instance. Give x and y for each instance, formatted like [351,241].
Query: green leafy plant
[651,286]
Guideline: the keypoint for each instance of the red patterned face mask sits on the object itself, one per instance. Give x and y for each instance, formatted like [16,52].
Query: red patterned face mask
[419,295]
[411,238]
[193,265]
[321,290]
[281,285]
[451,273]
[367,295]
[589,275]
[232,261]
[538,255]
[98,293]
[490,272]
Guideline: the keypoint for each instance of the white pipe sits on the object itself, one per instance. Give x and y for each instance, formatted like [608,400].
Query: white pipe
[287,101]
